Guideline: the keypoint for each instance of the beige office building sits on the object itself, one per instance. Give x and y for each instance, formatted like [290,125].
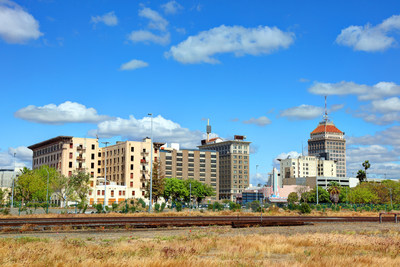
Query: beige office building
[328,142]
[128,164]
[306,166]
[234,162]
[200,165]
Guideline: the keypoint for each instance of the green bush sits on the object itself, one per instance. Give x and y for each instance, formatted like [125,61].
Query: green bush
[98,207]
[217,206]
[318,207]
[178,206]
[157,207]
[114,206]
[163,206]
[305,208]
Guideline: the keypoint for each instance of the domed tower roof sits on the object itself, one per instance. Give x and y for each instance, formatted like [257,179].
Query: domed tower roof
[326,127]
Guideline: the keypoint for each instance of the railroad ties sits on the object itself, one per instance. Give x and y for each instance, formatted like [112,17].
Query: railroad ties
[97,222]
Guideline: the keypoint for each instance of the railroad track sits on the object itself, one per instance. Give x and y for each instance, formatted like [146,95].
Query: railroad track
[153,222]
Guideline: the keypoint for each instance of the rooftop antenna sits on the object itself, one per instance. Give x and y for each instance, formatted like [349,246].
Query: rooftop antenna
[302,154]
[326,112]
[208,129]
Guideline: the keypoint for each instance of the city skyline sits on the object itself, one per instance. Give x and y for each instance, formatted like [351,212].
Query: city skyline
[260,70]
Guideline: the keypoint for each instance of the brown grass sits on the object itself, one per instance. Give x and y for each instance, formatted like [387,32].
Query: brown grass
[203,248]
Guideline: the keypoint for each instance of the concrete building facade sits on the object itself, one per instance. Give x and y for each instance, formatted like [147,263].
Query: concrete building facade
[306,166]
[200,165]
[234,162]
[328,142]
[128,164]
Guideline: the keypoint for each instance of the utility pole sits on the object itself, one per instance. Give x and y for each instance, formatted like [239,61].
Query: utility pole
[13,181]
[151,163]
[47,194]
[257,178]
[105,176]
[316,173]
[190,195]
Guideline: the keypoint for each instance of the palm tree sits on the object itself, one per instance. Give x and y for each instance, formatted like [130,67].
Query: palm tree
[334,191]
[366,166]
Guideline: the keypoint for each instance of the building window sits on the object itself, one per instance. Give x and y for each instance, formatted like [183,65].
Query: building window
[70,155]
[131,166]
[70,173]
[132,149]
[112,193]
[70,164]
[71,145]
[92,165]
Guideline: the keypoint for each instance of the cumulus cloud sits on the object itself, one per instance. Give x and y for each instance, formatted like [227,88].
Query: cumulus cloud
[109,19]
[134,64]
[239,40]
[370,38]
[172,7]
[148,37]
[302,112]
[386,105]
[382,149]
[23,158]
[16,25]
[157,22]
[385,119]
[67,112]
[261,121]
[164,130]
[364,92]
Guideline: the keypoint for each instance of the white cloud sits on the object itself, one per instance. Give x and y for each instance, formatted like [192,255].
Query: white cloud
[261,121]
[164,130]
[146,36]
[110,19]
[22,153]
[172,7]
[302,112]
[382,150]
[23,158]
[157,22]
[384,119]
[134,64]
[67,112]
[370,38]
[364,92]
[17,25]
[230,39]
[387,105]
[335,107]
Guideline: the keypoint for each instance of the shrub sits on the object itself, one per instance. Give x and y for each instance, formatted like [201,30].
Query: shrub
[98,207]
[318,207]
[114,206]
[254,205]
[305,208]
[178,206]
[157,207]
[163,206]
[217,206]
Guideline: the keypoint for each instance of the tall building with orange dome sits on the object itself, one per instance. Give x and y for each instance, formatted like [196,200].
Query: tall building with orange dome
[328,141]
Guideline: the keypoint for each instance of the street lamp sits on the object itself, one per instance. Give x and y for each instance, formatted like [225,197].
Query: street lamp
[105,176]
[151,163]
[316,175]
[12,193]
[257,178]
[47,193]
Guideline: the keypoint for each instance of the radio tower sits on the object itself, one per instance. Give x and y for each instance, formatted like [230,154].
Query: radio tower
[208,130]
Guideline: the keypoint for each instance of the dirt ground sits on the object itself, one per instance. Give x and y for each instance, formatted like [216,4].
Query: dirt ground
[340,228]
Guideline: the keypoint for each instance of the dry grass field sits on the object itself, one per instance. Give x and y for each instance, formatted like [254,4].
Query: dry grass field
[325,245]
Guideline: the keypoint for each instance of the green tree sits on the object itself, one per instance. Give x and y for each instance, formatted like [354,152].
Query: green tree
[79,187]
[61,188]
[31,185]
[311,196]
[158,183]
[361,176]
[362,194]
[293,197]
[334,191]
[199,190]
[175,189]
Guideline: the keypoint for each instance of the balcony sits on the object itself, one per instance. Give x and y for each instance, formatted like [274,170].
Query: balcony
[144,153]
[80,148]
[143,161]
[80,158]
[144,171]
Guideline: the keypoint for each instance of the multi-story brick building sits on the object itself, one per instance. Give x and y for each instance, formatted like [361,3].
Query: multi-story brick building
[234,162]
[200,165]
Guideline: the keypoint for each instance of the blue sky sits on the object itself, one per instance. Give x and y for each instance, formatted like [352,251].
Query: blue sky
[257,68]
